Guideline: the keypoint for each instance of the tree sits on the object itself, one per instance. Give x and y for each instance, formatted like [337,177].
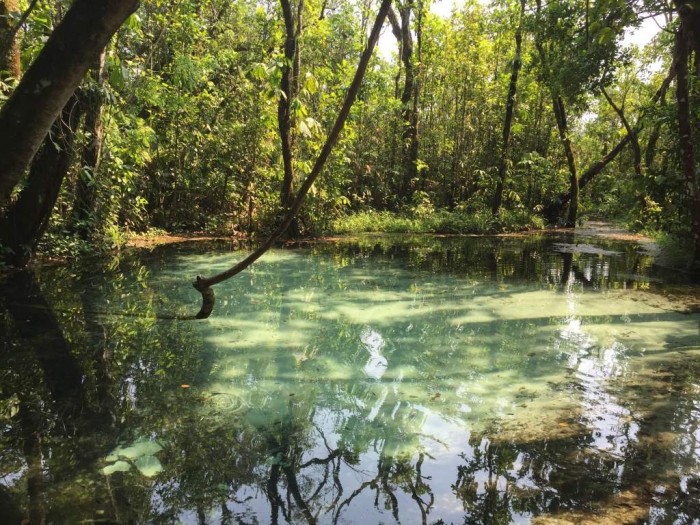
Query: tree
[92,101]
[289,90]
[51,80]
[401,28]
[553,210]
[510,108]
[576,56]
[203,285]
[687,50]
[27,218]
[9,46]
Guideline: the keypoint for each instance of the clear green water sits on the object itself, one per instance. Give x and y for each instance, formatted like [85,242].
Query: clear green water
[406,380]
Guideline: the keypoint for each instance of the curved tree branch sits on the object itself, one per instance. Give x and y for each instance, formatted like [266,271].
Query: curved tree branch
[631,133]
[202,284]
[23,19]
[553,210]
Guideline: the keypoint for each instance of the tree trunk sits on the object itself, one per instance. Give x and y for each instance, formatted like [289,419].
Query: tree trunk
[685,129]
[92,100]
[203,285]
[283,106]
[562,127]
[52,78]
[28,217]
[510,108]
[632,133]
[9,46]
[289,89]
[402,32]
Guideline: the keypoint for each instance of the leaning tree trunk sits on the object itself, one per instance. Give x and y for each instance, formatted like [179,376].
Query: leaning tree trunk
[634,140]
[510,108]
[52,78]
[204,285]
[553,210]
[27,218]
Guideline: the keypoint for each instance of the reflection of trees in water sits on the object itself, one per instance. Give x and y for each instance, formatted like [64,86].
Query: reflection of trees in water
[41,378]
[62,395]
[309,489]
[510,259]
[213,462]
[567,477]
[85,383]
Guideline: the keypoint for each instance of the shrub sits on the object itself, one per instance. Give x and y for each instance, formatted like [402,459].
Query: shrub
[460,221]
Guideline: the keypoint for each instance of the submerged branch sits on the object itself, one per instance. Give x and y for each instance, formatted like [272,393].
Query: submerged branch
[202,284]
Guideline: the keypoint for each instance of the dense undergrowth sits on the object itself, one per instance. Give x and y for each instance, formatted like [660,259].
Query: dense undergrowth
[441,221]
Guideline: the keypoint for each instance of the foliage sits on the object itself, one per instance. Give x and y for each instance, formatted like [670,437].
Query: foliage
[191,135]
[460,221]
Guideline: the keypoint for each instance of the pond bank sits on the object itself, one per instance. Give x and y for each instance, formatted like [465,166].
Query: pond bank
[590,229]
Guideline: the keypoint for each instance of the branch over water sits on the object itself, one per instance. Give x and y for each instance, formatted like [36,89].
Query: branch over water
[203,284]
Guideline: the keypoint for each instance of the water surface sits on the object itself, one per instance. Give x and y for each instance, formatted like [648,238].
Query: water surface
[375,380]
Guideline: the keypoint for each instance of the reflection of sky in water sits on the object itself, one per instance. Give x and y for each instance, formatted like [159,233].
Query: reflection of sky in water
[610,423]
[446,358]
[376,363]
[382,376]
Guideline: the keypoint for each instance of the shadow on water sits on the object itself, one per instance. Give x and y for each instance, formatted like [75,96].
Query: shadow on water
[425,380]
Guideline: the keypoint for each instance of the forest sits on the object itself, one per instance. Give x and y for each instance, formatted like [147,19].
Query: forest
[479,298]
[208,116]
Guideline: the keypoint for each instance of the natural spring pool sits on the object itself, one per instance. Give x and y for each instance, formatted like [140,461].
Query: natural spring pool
[535,379]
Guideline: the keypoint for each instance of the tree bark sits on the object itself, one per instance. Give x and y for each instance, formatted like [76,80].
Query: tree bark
[510,108]
[50,81]
[9,46]
[27,218]
[563,128]
[203,285]
[401,28]
[684,43]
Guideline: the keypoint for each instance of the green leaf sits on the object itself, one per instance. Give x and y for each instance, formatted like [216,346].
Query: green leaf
[311,85]
[605,35]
